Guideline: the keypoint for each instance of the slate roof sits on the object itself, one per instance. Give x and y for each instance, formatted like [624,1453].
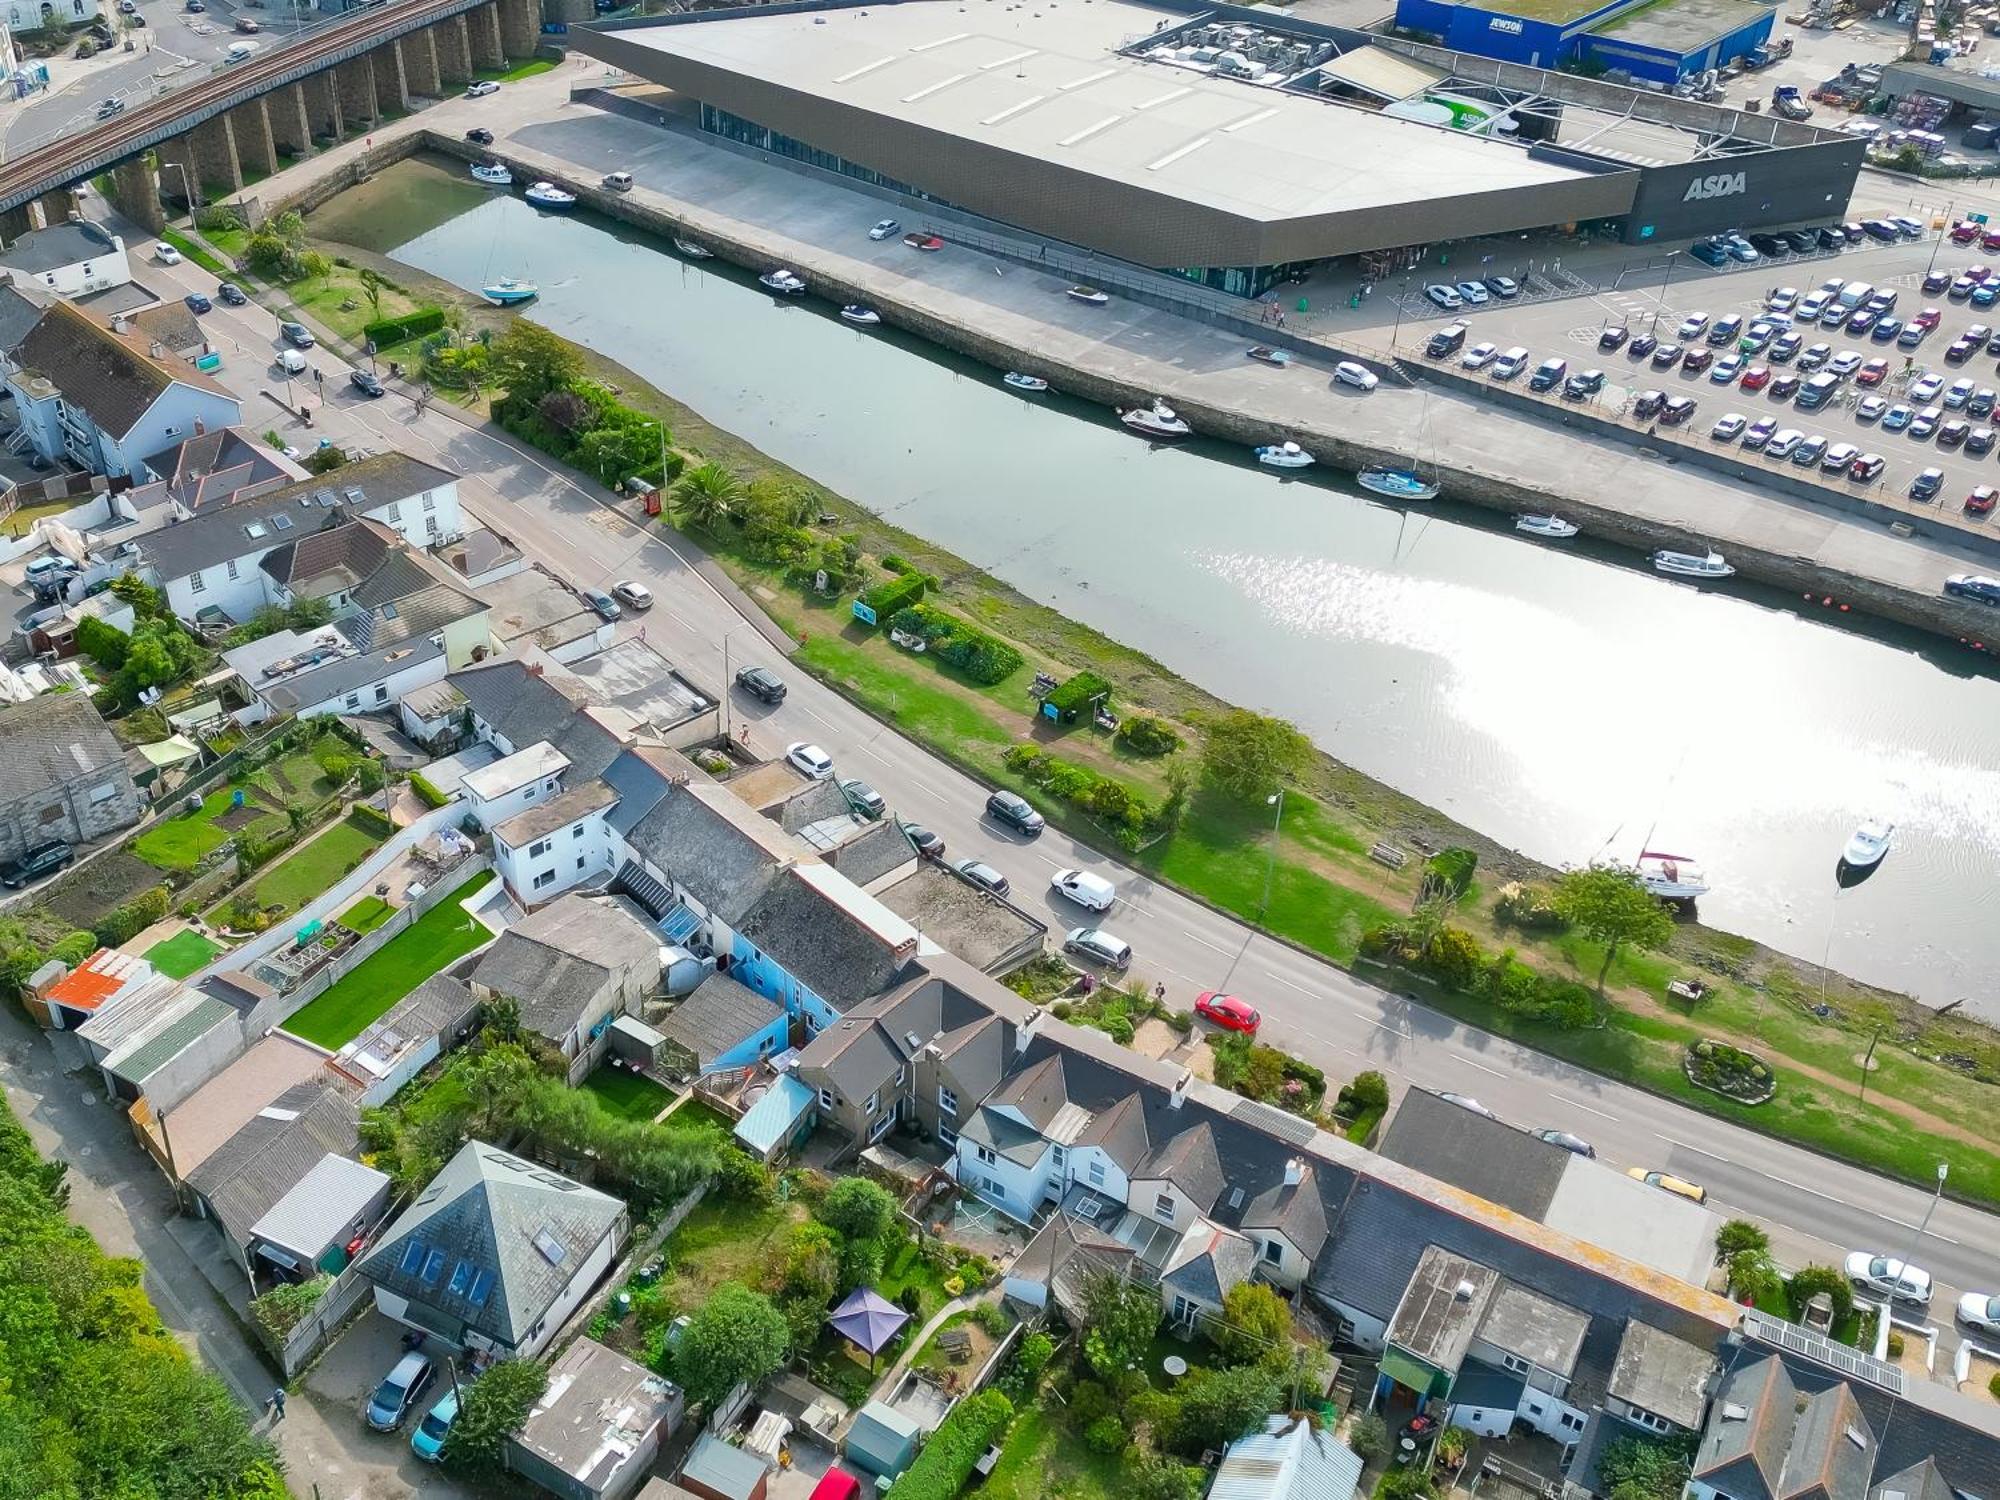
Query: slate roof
[1119,1130]
[53,741]
[211,468]
[975,1055]
[1209,1262]
[1659,1373]
[1832,1450]
[1749,1432]
[719,1014]
[710,842]
[68,242]
[556,961]
[637,785]
[1293,1210]
[525,705]
[1483,1385]
[507,1234]
[1189,1161]
[1005,1135]
[1921,1481]
[249,1174]
[1037,1092]
[111,378]
[558,812]
[864,1048]
[836,955]
[17,315]
[1465,1148]
[333,560]
[867,857]
[1931,1420]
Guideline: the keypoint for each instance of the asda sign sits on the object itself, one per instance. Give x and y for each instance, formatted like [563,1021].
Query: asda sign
[1717,185]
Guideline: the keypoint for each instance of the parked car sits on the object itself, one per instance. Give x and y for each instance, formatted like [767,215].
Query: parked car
[1508,365]
[1548,373]
[1873,373]
[1102,947]
[1228,1011]
[1974,586]
[166,254]
[1479,356]
[1839,456]
[1810,452]
[1697,359]
[810,759]
[479,135]
[1085,889]
[397,1394]
[982,875]
[1565,1140]
[927,844]
[1642,346]
[1503,286]
[1954,433]
[1677,410]
[1692,326]
[1647,404]
[1015,811]
[1868,408]
[606,606]
[870,803]
[1613,337]
[1466,1101]
[1347,372]
[1927,484]
[1583,385]
[1758,433]
[1756,378]
[1473,292]
[1884,1276]
[1981,1311]
[1979,441]
[1669,1183]
[1785,386]
[1728,427]
[481,89]
[1446,341]
[1926,388]
[35,862]
[1444,296]
[1725,329]
[632,594]
[230,292]
[427,1442]
[761,683]
[1958,393]
[1783,442]
[1980,501]
[1926,422]
[1710,254]
[883,228]
[197,303]
[1897,417]
[1843,364]
[1814,356]
[1867,468]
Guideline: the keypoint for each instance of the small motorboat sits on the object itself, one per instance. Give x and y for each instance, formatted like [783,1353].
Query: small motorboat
[492,174]
[1707,564]
[548,195]
[1865,850]
[855,312]
[1284,456]
[508,291]
[1264,356]
[693,251]
[1671,877]
[1398,484]
[1090,296]
[1156,421]
[1022,382]
[782,280]
[1553,527]
[918,240]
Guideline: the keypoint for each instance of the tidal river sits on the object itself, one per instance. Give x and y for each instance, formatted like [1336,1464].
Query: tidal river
[1559,699]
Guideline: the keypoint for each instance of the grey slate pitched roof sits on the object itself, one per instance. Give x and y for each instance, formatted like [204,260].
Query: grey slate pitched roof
[527,706]
[870,855]
[836,956]
[1465,1148]
[975,1056]
[508,1234]
[1036,1091]
[704,843]
[1831,1450]
[863,1050]
[53,741]
[68,242]
[17,315]
[556,961]
[718,1015]
[1005,1135]
[112,378]
[1210,1263]
[1921,1481]
[1189,1161]
[247,1175]
[1293,1210]
[1931,1421]
[1119,1130]
[1749,1432]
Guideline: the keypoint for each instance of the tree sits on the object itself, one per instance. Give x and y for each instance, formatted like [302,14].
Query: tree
[104,644]
[1249,756]
[703,495]
[1256,1324]
[325,460]
[372,283]
[736,1336]
[1809,1281]
[1119,1322]
[857,1209]
[812,1263]
[566,411]
[147,602]
[1154,1477]
[1740,1234]
[1370,1437]
[490,1409]
[1219,1406]
[1642,1469]
[1609,905]
[1366,1093]
[530,362]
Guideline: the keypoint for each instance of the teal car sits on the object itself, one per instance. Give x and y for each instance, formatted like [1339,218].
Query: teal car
[427,1442]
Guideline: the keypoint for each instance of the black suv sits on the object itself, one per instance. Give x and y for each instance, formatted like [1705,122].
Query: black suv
[1579,386]
[1447,340]
[761,684]
[34,863]
[1014,811]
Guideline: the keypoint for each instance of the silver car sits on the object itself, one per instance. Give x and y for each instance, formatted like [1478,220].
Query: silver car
[1099,946]
[1886,1277]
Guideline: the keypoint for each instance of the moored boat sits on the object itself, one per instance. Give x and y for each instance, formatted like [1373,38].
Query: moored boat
[782,280]
[492,174]
[1397,484]
[855,312]
[1671,877]
[1707,564]
[548,195]
[1867,846]
[693,251]
[1022,382]
[1089,295]
[1268,356]
[509,291]
[1158,420]
[1554,527]
[1284,456]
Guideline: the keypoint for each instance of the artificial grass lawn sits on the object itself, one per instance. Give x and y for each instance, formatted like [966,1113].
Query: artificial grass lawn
[694,1116]
[1041,1457]
[440,936]
[367,914]
[182,954]
[629,1095]
[317,866]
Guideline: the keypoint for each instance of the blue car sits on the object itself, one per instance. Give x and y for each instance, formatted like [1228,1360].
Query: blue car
[1709,253]
[1984,295]
[1897,417]
[1886,330]
[427,1442]
[197,303]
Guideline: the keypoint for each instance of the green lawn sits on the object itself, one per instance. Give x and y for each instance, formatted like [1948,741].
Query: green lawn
[1042,1458]
[694,1116]
[724,1240]
[194,252]
[314,868]
[904,1267]
[629,1095]
[182,954]
[440,936]
[519,70]
[367,914]
[179,843]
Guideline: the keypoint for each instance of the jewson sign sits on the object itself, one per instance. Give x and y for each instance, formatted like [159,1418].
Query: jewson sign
[1506,24]
[1718,185]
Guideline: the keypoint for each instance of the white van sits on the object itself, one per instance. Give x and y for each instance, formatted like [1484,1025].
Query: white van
[291,361]
[239,52]
[1855,293]
[618,182]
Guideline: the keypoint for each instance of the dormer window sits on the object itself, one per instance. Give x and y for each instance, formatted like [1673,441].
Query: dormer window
[1164,1208]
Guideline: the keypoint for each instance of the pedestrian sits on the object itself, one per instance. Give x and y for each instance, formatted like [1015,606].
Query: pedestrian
[277,1404]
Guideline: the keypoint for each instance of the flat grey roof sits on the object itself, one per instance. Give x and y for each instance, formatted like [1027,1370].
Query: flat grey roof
[1601,1204]
[1051,85]
[1681,25]
[1442,1308]
[1535,1327]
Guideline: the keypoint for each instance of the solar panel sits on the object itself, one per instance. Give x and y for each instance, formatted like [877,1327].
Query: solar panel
[1823,1351]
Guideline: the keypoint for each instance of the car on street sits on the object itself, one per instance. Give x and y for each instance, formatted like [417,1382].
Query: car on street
[810,759]
[1565,1140]
[1230,1012]
[1613,337]
[1479,356]
[1926,388]
[927,844]
[1897,417]
[1445,297]
[1474,293]
[1873,373]
[230,292]
[1980,1310]
[166,254]
[1884,1276]
[296,334]
[1667,1182]
[1868,408]
[1466,1101]
[1980,501]
[983,875]
[366,382]
[1508,365]
[1099,946]
[481,89]
[197,303]
[1927,484]
[1697,359]
[762,684]
[883,228]
[863,798]
[1347,372]
[1503,286]
[632,594]
[1867,468]
[1758,433]
[606,606]
[479,135]
[35,862]
[1728,427]
[1974,586]
[1014,810]
[397,1395]
[1783,442]
[427,1442]
[1085,889]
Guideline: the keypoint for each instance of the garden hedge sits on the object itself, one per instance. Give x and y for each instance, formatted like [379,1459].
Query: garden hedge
[386,331]
[893,594]
[372,820]
[427,793]
[1074,695]
[134,917]
[986,659]
[946,1461]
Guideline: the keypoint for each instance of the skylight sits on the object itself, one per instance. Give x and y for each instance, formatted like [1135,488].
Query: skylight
[281,522]
[413,1257]
[551,1248]
[254,530]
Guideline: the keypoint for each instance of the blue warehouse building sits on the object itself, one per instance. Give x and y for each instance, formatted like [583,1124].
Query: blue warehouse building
[1651,41]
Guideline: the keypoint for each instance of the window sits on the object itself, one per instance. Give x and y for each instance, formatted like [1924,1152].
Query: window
[1164,1208]
[882,1126]
[947,1101]
[947,1135]
[874,1102]
[902,1074]
[381,692]
[413,1257]
[580,861]
[196,583]
[826,1098]
[434,1267]
[354,700]
[576,832]
[231,567]
[537,849]
[395,512]
[1571,1422]
[1515,1363]
[1057,1156]
[986,1156]
[461,1278]
[430,501]
[547,877]
[103,794]
[1274,1253]
[430,525]
[1095,1172]
[996,1187]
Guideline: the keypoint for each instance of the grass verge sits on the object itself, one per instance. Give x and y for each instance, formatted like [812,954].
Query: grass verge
[199,254]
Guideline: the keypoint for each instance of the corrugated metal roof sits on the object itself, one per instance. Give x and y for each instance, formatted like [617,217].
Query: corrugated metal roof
[326,1200]
[166,1043]
[771,1119]
[1288,1460]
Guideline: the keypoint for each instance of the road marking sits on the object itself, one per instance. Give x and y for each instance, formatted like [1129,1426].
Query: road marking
[1208,945]
[1787,1182]
[1289,984]
[1482,1067]
[1697,1150]
[1578,1104]
[1906,1224]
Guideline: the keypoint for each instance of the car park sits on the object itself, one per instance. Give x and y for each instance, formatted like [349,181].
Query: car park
[1883,1276]
[397,1395]
[1667,1182]
[1873,373]
[1728,427]
[1015,812]
[1479,356]
[762,684]
[883,228]
[1677,410]
[1096,944]
[1613,337]
[1868,408]
[1758,433]
[1508,365]
[1867,468]
[1839,456]
[1783,442]
[1697,359]
[1927,484]
[982,875]
[1503,286]
[35,862]
[810,760]
[1228,1011]
[1980,501]
[1347,372]
[1810,452]
[927,844]
[1583,385]
[1444,296]
[1447,340]
[1548,373]
[1473,293]
[1926,388]
[1974,586]
[1085,889]
[1564,1139]
[1926,422]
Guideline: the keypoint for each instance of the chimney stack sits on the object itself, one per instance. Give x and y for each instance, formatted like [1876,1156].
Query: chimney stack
[1179,1095]
[1295,1171]
[1029,1028]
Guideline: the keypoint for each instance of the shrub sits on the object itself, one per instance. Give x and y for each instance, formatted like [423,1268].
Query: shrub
[411,325]
[992,1318]
[1105,1435]
[371,819]
[1450,870]
[284,1307]
[1528,907]
[1370,1437]
[894,564]
[983,658]
[1740,1234]
[1074,696]
[134,917]
[1364,1093]
[1147,734]
[427,793]
[1896,1345]
[1993,1387]
[893,594]
[946,1461]
[1755,1275]
[1036,1350]
[1809,1281]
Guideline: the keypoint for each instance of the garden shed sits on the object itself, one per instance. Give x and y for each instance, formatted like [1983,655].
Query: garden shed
[882,1440]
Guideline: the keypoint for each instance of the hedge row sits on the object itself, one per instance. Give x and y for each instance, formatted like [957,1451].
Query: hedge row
[893,594]
[411,325]
[1112,803]
[1074,695]
[1456,960]
[945,1464]
[427,792]
[984,658]
[118,927]
[372,820]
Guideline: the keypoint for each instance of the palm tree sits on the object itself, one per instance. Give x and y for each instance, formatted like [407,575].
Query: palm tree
[703,496]
[371,288]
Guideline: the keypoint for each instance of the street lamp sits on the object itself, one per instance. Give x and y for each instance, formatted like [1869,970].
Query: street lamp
[1937,240]
[1277,800]
[187,183]
[1402,295]
[1665,282]
[725,673]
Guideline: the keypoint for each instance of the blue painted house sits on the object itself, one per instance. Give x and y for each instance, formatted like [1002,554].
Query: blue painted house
[721,1026]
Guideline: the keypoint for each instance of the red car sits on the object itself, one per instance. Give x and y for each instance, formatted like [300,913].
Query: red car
[1756,377]
[1228,1012]
[1873,373]
[1990,240]
[1980,501]
[1928,318]
[919,241]
[1964,232]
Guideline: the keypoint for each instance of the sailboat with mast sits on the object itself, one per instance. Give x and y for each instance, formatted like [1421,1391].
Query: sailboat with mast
[1394,482]
[507,291]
